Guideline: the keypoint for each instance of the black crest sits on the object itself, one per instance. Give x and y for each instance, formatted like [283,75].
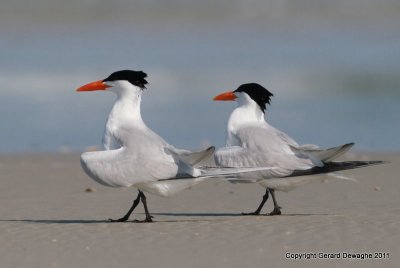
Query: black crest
[136,78]
[258,93]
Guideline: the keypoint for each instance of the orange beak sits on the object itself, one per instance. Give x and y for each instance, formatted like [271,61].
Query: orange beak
[96,85]
[226,96]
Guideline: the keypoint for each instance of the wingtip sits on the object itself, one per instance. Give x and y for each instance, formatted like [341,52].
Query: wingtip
[211,149]
[379,162]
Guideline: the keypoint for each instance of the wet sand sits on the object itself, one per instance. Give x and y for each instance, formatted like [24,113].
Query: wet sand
[47,219]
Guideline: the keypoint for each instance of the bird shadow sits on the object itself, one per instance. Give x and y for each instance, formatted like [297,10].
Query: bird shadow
[210,216]
[195,214]
[58,221]
[43,221]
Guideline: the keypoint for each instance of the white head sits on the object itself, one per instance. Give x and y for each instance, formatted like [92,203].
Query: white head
[251,94]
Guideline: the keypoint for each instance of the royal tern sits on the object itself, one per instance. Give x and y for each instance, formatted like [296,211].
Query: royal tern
[136,156]
[251,141]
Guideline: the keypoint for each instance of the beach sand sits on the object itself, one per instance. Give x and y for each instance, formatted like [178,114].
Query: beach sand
[47,219]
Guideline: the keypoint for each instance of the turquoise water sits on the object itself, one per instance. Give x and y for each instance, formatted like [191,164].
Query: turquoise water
[332,85]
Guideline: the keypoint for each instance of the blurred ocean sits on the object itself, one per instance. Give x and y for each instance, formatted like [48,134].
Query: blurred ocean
[334,69]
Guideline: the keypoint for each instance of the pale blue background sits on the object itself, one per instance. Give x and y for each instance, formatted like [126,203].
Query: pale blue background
[333,66]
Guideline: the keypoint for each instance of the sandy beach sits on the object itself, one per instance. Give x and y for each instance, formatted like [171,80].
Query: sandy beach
[47,219]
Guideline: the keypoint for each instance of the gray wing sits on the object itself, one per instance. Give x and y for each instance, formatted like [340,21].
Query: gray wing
[187,170]
[325,155]
[193,158]
[265,146]
[312,151]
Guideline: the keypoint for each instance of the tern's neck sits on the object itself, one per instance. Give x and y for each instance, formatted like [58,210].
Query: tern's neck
[126,111]
[242,116]
[245,114]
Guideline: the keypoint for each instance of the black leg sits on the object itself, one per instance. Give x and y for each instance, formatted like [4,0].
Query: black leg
[258,210]
[277,208]
[146,210]
[134,205]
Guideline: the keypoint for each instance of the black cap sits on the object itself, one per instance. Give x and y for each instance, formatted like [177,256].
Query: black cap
[136,78]
[258,93]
